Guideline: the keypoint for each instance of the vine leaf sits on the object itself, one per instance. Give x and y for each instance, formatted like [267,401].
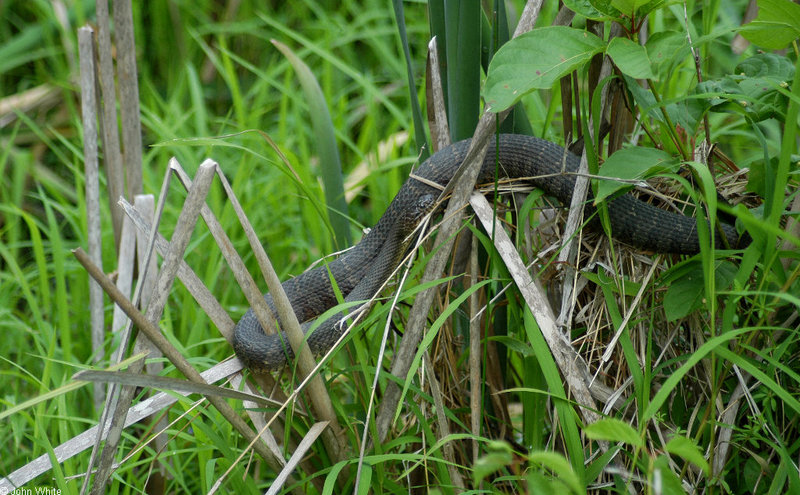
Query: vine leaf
[686,293]
[613,430]
[777,24]
[632,164]
[631,58]
[536,60]
[689,451]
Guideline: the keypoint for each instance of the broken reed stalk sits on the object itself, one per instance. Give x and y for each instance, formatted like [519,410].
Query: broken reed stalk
[86,439]
[182,233]
[317,393]
[128,95]
[175,357]
[112,154]
[92,177]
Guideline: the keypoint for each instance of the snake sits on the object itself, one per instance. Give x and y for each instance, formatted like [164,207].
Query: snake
[361,271]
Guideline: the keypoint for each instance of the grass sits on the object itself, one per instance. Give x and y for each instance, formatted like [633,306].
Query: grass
[210,84]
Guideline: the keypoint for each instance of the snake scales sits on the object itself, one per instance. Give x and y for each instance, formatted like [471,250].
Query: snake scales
[361,271]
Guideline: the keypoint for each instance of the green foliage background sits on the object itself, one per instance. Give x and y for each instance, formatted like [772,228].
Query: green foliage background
[211,82]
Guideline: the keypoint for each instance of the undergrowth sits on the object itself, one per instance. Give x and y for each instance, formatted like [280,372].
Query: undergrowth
[701,351]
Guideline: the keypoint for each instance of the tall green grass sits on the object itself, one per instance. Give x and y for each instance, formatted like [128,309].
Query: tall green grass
[210,84]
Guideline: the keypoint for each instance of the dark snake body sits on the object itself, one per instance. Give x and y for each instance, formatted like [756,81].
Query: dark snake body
[361,271]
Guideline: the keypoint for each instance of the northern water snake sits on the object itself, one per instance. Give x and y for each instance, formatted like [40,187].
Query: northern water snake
[361,271]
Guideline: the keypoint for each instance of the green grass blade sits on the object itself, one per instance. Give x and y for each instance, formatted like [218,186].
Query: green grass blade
[670,383]
[330,164]
[570,429]
[463,51]
[416,111]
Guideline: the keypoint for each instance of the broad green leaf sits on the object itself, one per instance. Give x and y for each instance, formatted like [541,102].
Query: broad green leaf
[663,47]
[755,89]
[762,99]
[613,430]
[630,57]
[628,6]
[632,164]
[682,113]
[719,89]
[687,292]
[684,295]
[559,466]
[587,9]
[760,78]
[777,24]
[606,7]
[688,451]
[536,60]
[767,65]
[620,10]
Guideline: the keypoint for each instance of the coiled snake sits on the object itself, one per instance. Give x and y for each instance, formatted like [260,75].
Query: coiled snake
[361,271]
